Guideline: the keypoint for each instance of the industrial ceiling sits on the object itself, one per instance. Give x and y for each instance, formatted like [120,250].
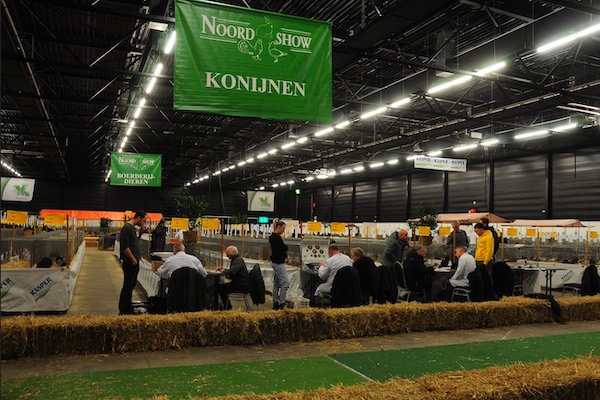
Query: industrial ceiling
[72,69]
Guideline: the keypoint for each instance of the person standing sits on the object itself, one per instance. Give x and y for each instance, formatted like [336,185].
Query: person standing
[458,237]
[159,236]
[278,256]
[394,250]
[484,251]
[130,256]
[486,225]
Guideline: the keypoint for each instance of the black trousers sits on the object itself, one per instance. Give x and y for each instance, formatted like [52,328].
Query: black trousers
[231,287]
[130,273]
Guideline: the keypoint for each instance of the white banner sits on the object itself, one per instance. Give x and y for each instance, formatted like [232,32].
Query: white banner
[441,164]
[261,201]
[17,189]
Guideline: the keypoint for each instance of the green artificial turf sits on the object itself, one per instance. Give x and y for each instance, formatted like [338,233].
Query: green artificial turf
[183,382]
[298,373]
[412,363]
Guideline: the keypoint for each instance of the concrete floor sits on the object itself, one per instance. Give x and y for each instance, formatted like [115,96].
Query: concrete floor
[97,293]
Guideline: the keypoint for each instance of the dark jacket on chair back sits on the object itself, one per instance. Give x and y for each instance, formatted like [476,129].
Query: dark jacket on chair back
[187,291]
[345,289]
[256,285]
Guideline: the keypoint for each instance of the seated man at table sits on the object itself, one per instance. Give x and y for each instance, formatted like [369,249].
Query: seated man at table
[237,272]
[180,259]
[329,269]
[418,276]
[466,265]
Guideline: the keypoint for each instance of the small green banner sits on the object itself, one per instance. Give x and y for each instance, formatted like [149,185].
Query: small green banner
[133,169]
[235,61]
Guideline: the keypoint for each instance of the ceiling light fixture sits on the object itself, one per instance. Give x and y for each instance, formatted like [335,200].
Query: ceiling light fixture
[392,162]
[563,128]
[489,142]
[376,165]
[491,68]
[569,38]
[170,43]
[400,102]
[288,145]
[251,159]
[241,163]
[409,158]
[454,82]
[346,171]
[373,113]
[308,178]
[465,147]
[532,134]
[323,132]
[302,139]
[434,153]
[341,125]
[359,168]
[262,155]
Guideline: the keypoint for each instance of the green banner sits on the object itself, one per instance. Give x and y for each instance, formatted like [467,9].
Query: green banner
[236,61]
[132,169]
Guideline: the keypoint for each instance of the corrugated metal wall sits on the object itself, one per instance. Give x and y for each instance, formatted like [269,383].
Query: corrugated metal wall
[568,183]
[393,199]
[576,185]
[426,187]
[464,187]
[520,188]
[342,203]
[365,202]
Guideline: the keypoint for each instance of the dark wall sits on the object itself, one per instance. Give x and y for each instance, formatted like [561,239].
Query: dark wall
[558,185]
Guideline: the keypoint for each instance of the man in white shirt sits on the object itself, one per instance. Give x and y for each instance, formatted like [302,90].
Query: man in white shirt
[329,269]
[466,265]
[179,260]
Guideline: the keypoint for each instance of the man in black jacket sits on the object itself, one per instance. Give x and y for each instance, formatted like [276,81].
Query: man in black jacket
[417,275]
[237,272]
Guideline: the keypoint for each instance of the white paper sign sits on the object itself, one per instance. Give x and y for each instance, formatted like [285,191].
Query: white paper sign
[441,164]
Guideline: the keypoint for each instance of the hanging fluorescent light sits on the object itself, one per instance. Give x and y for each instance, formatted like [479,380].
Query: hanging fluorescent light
[447,85]
[491,68]
[241,163]
[251,159]
[373,113]
[569,38]
[346,171]
[288,145]
[275,185]
[262,155]
[290,182]
[302,139]
[489,142]
[170,43]
[272,151]
[217,173]
[409,158]
[531,134]
[341,125]
[392,162]
[434,153]
[309,178]
[465,147]
[188,184]
[359,168]
[331,172]
[139,109]
[323,132]
[376,165]
[225,169]
[158,69]
[107,175]
[261,188]
[563,128]
[11,169]
[400,102]
[151,84]
[129,130]
[196,180]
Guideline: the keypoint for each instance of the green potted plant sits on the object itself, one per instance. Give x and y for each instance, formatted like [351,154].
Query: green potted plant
[426,216]
[190,206]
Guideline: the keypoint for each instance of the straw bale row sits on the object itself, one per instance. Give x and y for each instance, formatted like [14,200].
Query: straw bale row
[552,380]
[29,336]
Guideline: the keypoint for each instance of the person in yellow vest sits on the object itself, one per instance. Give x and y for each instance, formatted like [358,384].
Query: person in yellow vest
[484,251]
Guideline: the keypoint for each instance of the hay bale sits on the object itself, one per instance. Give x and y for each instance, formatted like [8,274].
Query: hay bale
[552,380]
[28,336]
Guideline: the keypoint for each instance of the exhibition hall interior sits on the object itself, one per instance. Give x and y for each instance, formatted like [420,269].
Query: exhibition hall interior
[300,195]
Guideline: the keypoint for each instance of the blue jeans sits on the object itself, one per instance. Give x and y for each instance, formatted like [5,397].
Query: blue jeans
[281,283]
